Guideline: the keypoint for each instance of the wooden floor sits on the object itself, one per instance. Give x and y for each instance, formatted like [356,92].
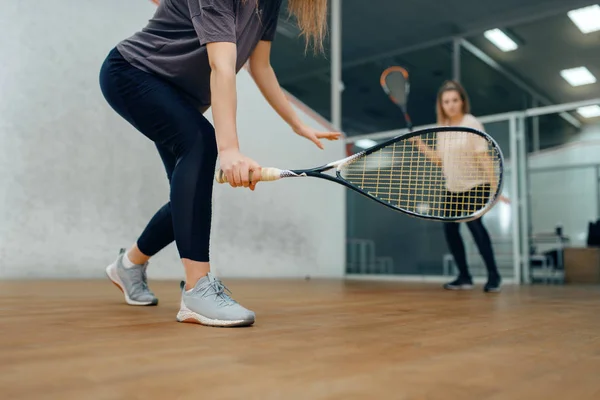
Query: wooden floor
[312,340]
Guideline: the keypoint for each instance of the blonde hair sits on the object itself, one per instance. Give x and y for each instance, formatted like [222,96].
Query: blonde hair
[311,17]
[449,86]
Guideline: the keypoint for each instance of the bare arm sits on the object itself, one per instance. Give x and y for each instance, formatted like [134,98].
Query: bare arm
[487,164]
[214,23]
[483,156]
[222,58]
[480,147]
[266,80]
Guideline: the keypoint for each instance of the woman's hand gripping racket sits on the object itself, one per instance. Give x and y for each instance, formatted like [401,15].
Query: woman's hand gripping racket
[397,174]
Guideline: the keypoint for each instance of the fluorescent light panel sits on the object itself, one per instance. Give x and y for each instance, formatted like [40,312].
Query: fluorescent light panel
[587,19]
[500,40]
[578,76]
[365,143]
[589,111]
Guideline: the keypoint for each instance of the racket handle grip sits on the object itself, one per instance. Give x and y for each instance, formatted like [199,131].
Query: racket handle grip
[266,174]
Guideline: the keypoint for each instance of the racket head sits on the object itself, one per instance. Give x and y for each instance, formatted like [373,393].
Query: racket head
[399,175]
[395,83]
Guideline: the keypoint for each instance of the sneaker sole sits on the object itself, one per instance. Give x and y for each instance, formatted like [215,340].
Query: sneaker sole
[493,290]
[114,277]
[188,316]
[461,287]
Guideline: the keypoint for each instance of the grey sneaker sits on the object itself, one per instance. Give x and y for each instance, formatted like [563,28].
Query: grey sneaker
[132,282]
[209,304]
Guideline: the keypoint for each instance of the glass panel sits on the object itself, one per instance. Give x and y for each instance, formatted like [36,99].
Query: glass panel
[490,91]
[563,192]
[500,132]
[563,196]
[383,241]
[553,131]
[367,109]
[301,72]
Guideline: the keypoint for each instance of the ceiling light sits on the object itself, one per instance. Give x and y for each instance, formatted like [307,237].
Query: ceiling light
[500,40]
[578,76]
[587,19]
[365,143]
[589,111]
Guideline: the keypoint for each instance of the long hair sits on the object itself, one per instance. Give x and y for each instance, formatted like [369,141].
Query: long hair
[451,85]
[311,17]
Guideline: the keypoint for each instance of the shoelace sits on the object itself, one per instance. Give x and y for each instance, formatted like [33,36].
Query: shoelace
[142,286]
[219,290]
[145,278]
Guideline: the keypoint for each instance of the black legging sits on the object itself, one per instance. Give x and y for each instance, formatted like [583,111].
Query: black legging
[186,142]
[484,244]
[469,201]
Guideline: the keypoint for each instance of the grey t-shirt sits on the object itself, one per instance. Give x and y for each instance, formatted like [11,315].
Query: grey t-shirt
[173,43]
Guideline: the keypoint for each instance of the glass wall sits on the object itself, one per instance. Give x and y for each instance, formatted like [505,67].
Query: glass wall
[365,106]
[563,193]
[301,72]
[383,241]
[490,91]
[555,197]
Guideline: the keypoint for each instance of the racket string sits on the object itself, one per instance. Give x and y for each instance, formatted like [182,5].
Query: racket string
[443,174]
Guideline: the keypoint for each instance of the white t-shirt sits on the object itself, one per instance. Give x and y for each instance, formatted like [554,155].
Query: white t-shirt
[458,151]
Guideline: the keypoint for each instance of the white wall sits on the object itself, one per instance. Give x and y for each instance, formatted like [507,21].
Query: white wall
[575,153]
[567,196]
[77,182]
[589,132]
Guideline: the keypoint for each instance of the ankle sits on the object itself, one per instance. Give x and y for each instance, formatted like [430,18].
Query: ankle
[135,255]
[194,271]
[126,261]
[191,281]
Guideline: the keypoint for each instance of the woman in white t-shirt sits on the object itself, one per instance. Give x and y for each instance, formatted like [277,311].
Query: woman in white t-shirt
[460,154]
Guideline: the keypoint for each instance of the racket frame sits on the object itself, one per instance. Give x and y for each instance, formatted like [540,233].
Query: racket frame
[403,104]
[317,172]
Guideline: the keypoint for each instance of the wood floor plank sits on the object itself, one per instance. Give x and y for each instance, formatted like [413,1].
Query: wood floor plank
[312,340]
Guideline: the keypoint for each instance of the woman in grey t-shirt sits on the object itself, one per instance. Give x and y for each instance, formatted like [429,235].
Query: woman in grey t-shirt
[161,80]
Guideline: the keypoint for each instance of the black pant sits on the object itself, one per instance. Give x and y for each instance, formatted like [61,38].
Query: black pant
[186,143]
[469,201]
